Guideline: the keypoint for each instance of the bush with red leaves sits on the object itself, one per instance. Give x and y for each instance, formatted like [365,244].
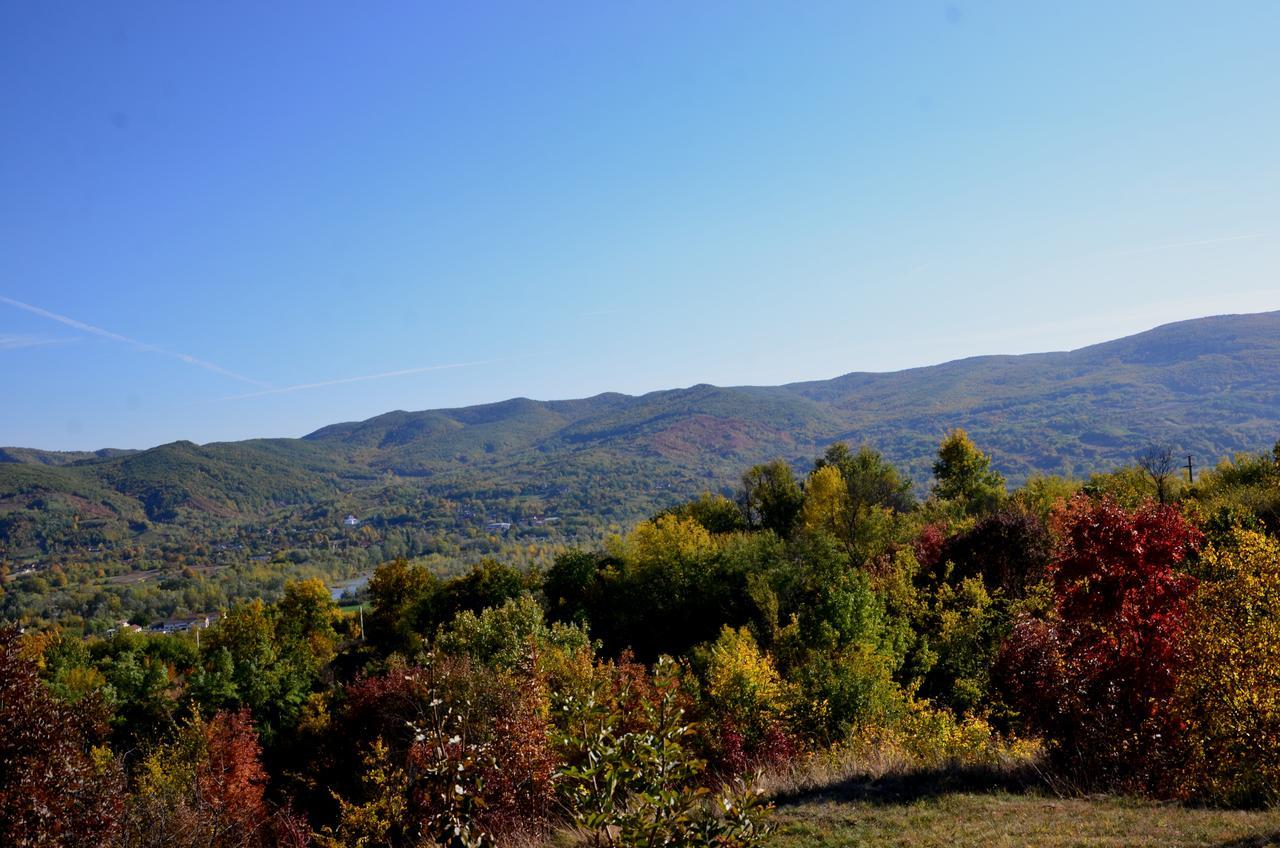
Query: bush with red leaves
[54,789]
[1097,678]
[450,723]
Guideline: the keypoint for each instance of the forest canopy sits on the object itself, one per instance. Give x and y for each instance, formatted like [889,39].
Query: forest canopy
[639,688]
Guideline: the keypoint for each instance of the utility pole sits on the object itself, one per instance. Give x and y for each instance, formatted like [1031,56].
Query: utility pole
[1191,472]
[362,622]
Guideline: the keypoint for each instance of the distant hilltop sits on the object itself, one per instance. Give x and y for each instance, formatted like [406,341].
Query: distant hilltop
[1210,387]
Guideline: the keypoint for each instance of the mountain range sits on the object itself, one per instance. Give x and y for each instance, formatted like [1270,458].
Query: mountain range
[1209,387]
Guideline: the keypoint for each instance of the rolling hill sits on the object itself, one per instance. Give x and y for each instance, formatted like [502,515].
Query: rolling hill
[1210,387]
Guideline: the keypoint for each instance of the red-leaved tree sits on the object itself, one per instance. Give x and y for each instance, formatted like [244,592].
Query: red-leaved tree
[56,789]
[207,789]
[1097,678]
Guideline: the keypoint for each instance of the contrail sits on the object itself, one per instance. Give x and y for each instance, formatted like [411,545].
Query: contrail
[384,375]
[10,342]
[116,337]
[1196,243]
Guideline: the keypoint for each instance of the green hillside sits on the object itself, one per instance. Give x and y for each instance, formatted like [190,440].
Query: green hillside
[1209,387]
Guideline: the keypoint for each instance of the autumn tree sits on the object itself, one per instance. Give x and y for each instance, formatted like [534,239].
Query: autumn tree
[962,473]
[56,787]
[1098,677]
[770,497]
[1228,699]
[206,788]
[826,502]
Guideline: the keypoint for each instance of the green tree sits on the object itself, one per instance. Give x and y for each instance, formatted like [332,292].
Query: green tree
[770,497]
[400,595]
[869,479]
[304,619]
[964,474]
[571,586]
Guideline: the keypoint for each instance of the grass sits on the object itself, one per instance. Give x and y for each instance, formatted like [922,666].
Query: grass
[878,801]
[1003,820]
[949,809]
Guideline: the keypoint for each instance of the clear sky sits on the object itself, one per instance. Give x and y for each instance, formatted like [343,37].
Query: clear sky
[215,218]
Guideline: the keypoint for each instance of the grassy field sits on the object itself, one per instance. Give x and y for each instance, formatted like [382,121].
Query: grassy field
[929,816]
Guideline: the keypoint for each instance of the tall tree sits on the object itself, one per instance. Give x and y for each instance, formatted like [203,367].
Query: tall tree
[826,502]
[869,479]
[964,474]
[770,497]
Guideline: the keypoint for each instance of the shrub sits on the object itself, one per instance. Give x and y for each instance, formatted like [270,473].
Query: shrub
[640,786]
[56,787]
[1097,678]
[466,748]
[206,787]
[747,702]
[1228,699]
[925,737]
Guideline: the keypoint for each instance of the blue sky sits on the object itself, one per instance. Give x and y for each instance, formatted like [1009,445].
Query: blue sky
[216,217]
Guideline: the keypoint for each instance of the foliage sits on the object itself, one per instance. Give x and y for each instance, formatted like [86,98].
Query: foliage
[747,704]
[964,474]
[716,513]
[1009,551]
[504,636]
[770,497]
[826,502]
[638,786]
[1098,677]
[503,702]
[57,786]
[926,737]
[869,479]
[465,750]
[207,787]
[1228,697]
[964,628]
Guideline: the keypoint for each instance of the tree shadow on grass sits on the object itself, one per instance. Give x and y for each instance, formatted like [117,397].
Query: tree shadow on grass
[1263,840]
[907,787]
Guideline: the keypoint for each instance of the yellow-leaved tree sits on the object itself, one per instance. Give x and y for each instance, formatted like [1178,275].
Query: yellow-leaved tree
[665,539]
[742,683]
[826,501]
[1229,696]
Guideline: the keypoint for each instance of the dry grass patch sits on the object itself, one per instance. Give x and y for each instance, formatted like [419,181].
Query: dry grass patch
[1003,820]
[884,796]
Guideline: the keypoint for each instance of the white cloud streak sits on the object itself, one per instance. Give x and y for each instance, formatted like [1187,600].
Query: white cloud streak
[404,372]
[1196,243]
[134,343]
[9,341]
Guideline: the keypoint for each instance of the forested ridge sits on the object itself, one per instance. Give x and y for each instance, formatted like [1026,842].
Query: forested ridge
[524,479]
[665,686]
